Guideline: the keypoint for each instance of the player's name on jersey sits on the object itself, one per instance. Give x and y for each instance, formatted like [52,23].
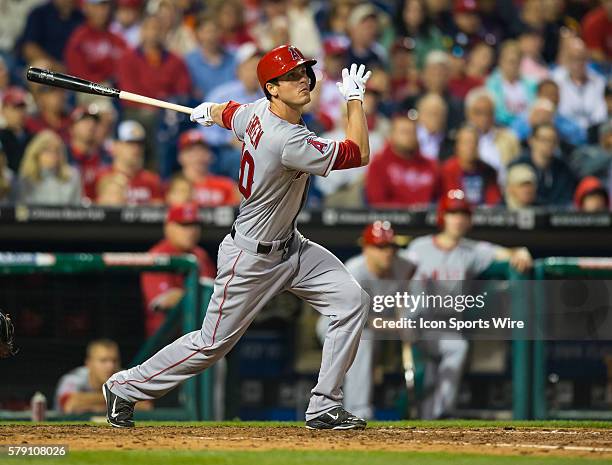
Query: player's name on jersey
[454,324]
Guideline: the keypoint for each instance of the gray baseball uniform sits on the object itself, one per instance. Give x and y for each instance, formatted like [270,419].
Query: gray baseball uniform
[445,353]
[277,159]
[358,380]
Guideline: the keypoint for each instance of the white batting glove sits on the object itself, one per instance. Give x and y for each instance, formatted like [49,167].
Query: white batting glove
[202,114]
[353,82]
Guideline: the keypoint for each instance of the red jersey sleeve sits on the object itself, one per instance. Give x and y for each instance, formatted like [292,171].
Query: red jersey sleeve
[228,113]
[349,156]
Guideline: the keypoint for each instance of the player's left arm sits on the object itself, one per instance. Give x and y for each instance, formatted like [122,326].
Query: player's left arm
[519,257]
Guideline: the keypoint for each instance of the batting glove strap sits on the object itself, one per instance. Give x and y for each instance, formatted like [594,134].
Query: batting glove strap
[202,114]
[354,82]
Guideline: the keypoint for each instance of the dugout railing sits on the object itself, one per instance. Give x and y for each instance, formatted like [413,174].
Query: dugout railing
[195,399]
[560,268]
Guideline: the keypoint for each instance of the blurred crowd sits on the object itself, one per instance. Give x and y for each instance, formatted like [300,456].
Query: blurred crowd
[508,100]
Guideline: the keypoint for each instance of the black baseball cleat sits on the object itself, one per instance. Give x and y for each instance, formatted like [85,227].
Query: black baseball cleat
[119,412]
[336,418]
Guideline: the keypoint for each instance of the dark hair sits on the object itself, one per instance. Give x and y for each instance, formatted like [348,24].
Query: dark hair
[425,27]
[204,18]
[545,82]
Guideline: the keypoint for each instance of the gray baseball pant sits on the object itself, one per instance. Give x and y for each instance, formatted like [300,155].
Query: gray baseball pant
[245,282]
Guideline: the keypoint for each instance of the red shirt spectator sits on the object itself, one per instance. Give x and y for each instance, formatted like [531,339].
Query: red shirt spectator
[162,291]
[466,172]
[195,158]
[597,33]
[400,176]
[144,187]
[150,69]
[92,51]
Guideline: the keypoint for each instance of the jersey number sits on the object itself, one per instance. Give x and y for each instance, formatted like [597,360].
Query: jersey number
[246,182]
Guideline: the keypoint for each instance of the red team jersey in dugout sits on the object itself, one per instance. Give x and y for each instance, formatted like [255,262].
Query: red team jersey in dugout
[155,284]
[143,188]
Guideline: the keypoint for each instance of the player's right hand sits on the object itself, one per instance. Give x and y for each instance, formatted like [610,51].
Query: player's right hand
[353,82]
[202,114]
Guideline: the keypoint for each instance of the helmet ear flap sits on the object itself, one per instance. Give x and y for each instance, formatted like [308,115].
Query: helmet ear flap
[312,76]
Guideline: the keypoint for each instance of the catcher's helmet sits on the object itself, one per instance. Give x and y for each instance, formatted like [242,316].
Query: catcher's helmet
[281,60]
[453,201]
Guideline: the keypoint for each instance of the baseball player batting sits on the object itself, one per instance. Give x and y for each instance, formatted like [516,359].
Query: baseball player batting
[264,254]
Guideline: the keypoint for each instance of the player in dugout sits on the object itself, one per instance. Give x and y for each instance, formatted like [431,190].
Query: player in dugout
[78,391]
[163,291]
[443,262]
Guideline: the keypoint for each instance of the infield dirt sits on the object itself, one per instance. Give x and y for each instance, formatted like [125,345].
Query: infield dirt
[592,443]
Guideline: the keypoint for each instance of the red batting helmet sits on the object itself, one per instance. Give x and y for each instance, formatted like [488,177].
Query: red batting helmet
[381,233]
[453,201]
[281,60]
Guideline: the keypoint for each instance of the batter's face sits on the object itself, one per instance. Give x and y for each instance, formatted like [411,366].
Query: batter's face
[457,224]
[293,87]
[102,363]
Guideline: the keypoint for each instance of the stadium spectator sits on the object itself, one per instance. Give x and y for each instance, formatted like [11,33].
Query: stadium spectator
[178,37]
[244,89]
[80,390]
[7,181]
[595,159]
[468,28]
[540,112]
[45,177]
[413,24]
[12,23]
[107,120]
[531,43]
[521,187]
[47,30]
[497,146]
[126,21]
[512,93]
[465,171]
[591,196]
[272,27]
[83,152]
[112,190]
[581,90]
[404,76]
[93,51]
[231,22]
[14,136]
[435,78]
[597,32]
[364,26]
[153,71]
[128,158]
[180,191]
[163,291]
[195,158]
[431,128]
[400,176]
[477,67]
[5,76]
[303,31]
[556,182]
[334,23]
[209,64]
[50,104]
[330,101]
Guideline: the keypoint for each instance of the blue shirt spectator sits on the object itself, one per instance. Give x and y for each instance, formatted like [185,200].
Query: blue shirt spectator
[209,65]
[48,29]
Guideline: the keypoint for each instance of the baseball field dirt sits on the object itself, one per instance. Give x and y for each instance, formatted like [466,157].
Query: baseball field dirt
[287,443]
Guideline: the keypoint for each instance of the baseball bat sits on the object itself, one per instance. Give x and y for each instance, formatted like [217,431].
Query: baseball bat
[65,81]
